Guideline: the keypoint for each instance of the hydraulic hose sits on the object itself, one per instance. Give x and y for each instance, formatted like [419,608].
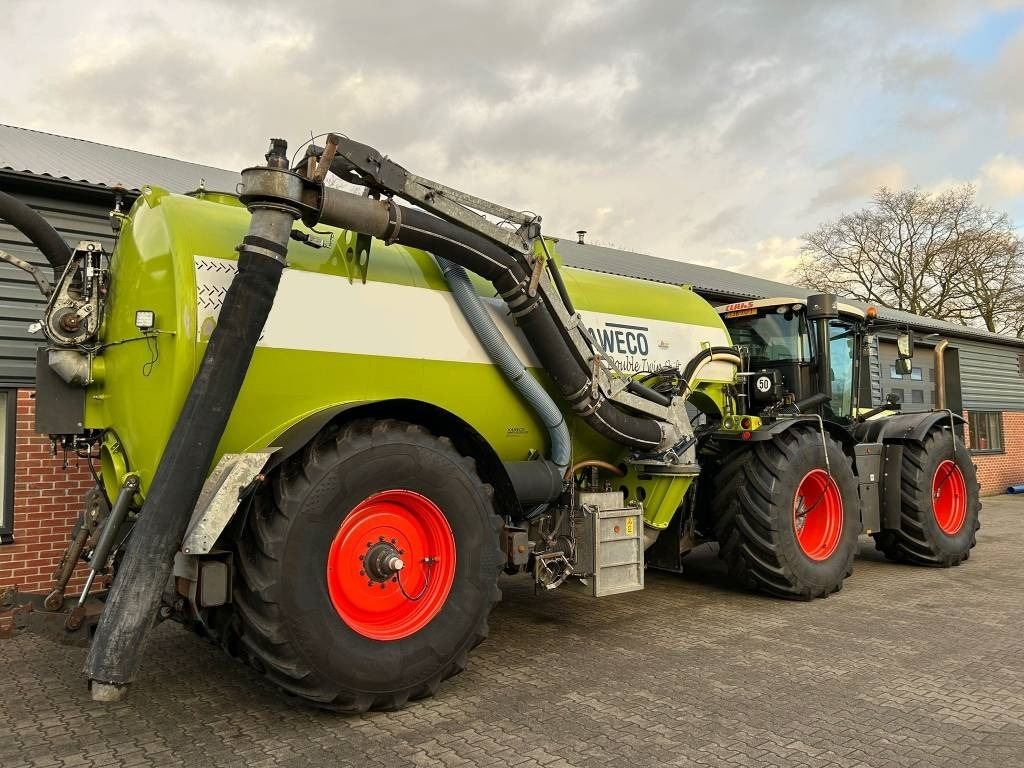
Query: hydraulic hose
[508,362]
[705,356]
[558,358]
[135,595]
[37,230]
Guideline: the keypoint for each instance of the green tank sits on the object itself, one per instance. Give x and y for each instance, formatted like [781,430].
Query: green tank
[335,342]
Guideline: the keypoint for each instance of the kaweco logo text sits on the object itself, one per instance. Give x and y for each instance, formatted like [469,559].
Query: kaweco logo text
[620,339]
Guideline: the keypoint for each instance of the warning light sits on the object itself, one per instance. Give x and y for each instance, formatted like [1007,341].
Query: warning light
[746,435]
[872,313]
[745,422]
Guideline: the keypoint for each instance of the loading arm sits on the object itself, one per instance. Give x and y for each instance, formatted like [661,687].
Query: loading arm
[519,233]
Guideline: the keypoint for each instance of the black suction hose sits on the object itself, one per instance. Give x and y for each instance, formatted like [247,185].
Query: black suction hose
[558,357]
[135,595]
[37,230]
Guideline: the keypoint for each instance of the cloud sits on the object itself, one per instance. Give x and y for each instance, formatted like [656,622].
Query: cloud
[1003,175]
[772,258]
[697,130]
[857,183]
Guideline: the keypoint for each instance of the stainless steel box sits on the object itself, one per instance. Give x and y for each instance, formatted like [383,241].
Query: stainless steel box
[609,545]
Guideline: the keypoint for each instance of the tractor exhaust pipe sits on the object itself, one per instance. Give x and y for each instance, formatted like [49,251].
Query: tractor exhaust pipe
[940,374]
[135,595]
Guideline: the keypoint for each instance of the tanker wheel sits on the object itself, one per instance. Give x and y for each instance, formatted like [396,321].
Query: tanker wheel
[939,504]
[786,521]
[368,568]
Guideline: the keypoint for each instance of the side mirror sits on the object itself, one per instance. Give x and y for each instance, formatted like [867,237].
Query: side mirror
[905,346]
[903,366]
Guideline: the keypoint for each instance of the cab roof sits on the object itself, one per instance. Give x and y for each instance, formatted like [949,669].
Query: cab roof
[727,310]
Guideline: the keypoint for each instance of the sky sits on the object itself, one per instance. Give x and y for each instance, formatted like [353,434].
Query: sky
[710,132]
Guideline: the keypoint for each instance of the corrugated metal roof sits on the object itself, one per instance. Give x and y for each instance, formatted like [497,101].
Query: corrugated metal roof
[709,280]
[62,157]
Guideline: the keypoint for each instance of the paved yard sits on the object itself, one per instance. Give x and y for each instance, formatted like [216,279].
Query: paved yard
[904,667]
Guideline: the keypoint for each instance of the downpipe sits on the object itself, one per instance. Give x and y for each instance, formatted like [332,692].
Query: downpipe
[135,595]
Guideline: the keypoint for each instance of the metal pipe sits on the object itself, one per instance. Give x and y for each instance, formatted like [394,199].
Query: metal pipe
[594,463]
[940,375]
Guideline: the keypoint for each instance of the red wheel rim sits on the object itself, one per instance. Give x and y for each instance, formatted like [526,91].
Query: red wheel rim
[379,602]
[949,497]
[818,515]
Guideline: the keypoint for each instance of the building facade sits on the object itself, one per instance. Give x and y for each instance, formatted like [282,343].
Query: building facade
[75,184]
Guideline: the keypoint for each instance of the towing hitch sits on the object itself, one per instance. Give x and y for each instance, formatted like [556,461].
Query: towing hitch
[74,626]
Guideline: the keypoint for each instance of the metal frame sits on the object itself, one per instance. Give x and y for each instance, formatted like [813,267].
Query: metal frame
[9,437]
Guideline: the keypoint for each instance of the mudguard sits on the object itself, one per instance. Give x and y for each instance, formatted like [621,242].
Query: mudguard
[893,433]
[906,426]
[769,431]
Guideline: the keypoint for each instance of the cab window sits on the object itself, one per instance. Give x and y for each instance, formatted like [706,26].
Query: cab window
[842,343]
[772,337]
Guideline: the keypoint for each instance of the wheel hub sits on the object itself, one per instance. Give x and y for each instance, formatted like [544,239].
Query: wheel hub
[383,560]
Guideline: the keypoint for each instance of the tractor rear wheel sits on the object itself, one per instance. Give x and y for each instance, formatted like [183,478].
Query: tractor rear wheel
[368,568]
[785,518]
[939,504]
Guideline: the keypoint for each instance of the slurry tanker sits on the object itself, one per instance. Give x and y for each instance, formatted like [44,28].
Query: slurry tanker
[324,423]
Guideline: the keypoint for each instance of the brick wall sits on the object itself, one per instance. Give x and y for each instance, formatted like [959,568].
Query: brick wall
[47,500]
[996,471]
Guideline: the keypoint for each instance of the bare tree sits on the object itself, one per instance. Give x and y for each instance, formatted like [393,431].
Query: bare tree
[940,255]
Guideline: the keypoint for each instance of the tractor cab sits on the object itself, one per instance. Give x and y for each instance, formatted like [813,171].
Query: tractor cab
[800,353]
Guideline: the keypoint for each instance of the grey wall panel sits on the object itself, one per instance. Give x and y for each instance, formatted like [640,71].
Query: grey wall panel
[991,377]
[907,386]
[20,301]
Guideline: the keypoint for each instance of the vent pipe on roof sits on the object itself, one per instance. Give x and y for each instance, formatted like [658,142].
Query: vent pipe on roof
[580,233]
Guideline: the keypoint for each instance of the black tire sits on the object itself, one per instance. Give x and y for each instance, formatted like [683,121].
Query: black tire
[920,538]
[755,515]
[286,625]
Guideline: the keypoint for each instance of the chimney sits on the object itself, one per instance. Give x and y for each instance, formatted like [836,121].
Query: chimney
[580,233]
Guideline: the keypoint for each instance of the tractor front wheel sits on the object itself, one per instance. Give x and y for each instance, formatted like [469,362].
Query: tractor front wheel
[368,569]
[785,517]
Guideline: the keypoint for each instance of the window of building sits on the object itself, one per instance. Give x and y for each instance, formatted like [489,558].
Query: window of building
[986,429]
[916,374]
[898,391]
[917,396]
[8,409]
